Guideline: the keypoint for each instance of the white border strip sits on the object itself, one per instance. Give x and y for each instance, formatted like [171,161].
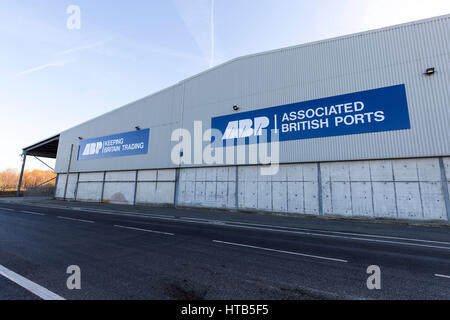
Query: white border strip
[32,287]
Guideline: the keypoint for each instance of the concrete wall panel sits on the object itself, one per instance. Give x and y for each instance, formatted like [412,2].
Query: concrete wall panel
[166,175]
[384,200]
[341,198]
[90,191]
[405,170]
[362,199]
[119,192]
[71,186]
[409,204]
[433,201]
[147,175]
[92,177]
[123,176]
[295,197]
[165,193]
[264,196]
[146,193]
[280,196]
[311,198]
[60,186]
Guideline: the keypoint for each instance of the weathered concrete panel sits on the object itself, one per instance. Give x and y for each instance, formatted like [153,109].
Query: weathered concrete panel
[409,205]
[311,198]
[359,171]
[166,175]
[250,196]
[211,174]
[362,199]
[405,170]
[341,198]
[119,192]
[146,193]
[200,192]
[121,176]
[310,172]
[281,175]
[280,194]
[327,206]
[60,186]
[447,168]
[295,197]
[232,203]
[71,186]
[147,175]
[433,201]
[189,192]
[90,191]
[429,170]
[264,196]
[222,174]
[222,194]
[384,200]
[294,172]
[340,171]
[211,193]
[94,177]
[165,193]
[381,171]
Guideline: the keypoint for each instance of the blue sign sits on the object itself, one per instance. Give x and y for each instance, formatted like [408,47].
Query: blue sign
[118,145]
[376,110]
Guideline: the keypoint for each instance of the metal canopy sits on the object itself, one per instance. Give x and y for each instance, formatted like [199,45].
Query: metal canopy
[46,148]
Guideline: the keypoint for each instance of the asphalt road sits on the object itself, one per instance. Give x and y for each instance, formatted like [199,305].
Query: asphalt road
[164,253]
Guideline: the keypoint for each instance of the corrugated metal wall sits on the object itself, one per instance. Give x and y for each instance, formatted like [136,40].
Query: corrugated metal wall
[385,57]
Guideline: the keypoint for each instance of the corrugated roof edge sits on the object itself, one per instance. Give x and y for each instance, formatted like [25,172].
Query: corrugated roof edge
[353,35]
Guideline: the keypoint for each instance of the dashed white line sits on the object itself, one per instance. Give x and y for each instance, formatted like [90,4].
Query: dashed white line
[281,251]
[6,209]
[442,276]
[33,213]
[73,219]
[145,230]
[29,285]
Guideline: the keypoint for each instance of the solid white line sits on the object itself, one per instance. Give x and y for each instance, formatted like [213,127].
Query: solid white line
[34,213]
[442,276]
[34,288]
[145,230]
[72,219]
[281,251]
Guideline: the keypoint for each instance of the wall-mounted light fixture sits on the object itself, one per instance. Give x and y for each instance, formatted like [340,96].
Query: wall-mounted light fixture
[235,108]
[430,71]
[138,128]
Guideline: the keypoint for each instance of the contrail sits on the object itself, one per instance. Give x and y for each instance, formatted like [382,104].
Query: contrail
[211,63]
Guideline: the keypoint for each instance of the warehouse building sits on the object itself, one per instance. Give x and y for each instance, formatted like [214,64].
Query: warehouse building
[359,125]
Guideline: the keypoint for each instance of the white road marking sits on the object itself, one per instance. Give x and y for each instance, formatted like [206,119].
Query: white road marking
[34,213]
[32,287]
[442,276]
[145,230]
[280,251]
[6,209]
[72,219]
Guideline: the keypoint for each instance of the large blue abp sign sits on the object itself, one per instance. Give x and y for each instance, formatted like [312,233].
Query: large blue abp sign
[118,145]
[377,110]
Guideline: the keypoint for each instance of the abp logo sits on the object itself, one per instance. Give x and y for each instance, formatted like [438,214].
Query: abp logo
[92,148]
[246,128]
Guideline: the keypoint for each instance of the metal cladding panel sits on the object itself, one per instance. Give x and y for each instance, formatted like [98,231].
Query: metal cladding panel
[387,57]
[161,113]
[375,59]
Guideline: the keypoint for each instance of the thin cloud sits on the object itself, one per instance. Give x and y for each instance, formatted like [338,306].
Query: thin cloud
[85,47]
[43,67]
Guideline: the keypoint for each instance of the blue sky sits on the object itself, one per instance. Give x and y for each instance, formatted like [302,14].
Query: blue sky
[53,78]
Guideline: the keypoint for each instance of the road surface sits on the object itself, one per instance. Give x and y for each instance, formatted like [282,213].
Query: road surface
[166,253]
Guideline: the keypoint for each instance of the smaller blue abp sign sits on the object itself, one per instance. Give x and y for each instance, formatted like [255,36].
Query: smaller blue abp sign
[118,145]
